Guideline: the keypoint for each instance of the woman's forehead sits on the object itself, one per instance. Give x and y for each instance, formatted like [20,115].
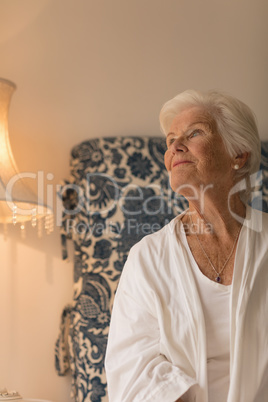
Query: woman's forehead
[191,116]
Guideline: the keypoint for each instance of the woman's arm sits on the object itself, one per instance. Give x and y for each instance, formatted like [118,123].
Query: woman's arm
[135,367]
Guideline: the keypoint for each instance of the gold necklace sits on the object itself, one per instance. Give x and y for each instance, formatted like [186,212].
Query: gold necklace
[218,277]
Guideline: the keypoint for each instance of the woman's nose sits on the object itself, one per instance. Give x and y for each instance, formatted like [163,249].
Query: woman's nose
[179,146]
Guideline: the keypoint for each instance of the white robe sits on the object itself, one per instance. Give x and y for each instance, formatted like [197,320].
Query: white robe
[157,342]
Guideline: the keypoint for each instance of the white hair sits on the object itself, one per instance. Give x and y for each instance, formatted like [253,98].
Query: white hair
[234,121]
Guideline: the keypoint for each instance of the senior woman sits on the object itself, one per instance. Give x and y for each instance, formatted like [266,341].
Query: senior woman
[189,321]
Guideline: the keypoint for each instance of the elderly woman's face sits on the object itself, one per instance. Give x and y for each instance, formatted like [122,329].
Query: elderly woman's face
[196,156]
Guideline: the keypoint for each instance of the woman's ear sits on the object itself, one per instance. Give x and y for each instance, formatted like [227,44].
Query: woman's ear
[240,160]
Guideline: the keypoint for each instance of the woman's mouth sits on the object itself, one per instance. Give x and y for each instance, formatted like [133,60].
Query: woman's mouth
[176,163]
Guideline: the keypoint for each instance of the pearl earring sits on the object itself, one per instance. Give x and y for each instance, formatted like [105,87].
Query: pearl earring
[236,167]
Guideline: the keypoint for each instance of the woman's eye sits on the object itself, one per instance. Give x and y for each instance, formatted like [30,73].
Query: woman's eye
[195,133]
[170,141]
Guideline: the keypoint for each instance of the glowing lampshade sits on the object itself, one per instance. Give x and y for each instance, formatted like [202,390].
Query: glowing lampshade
[18,203]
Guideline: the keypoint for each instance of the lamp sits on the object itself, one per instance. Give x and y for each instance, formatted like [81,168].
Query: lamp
[18,203]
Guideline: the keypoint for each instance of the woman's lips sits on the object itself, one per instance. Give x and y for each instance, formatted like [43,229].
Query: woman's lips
[180,163]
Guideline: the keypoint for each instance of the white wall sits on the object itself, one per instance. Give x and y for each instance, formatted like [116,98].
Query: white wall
[84,69]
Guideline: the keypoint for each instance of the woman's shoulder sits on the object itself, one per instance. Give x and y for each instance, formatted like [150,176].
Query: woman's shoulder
[148,259]
[257,221]
[152,248]
[157,239]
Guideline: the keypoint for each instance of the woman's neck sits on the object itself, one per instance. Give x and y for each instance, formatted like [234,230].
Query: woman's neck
[218,213]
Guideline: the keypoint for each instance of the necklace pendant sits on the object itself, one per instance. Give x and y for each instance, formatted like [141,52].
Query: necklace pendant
[218,279]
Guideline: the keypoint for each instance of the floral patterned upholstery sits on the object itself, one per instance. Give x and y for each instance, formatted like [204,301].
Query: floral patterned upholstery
[118,192]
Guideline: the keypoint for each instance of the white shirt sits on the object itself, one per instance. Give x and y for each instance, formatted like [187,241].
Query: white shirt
[215,300]
[157,347]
